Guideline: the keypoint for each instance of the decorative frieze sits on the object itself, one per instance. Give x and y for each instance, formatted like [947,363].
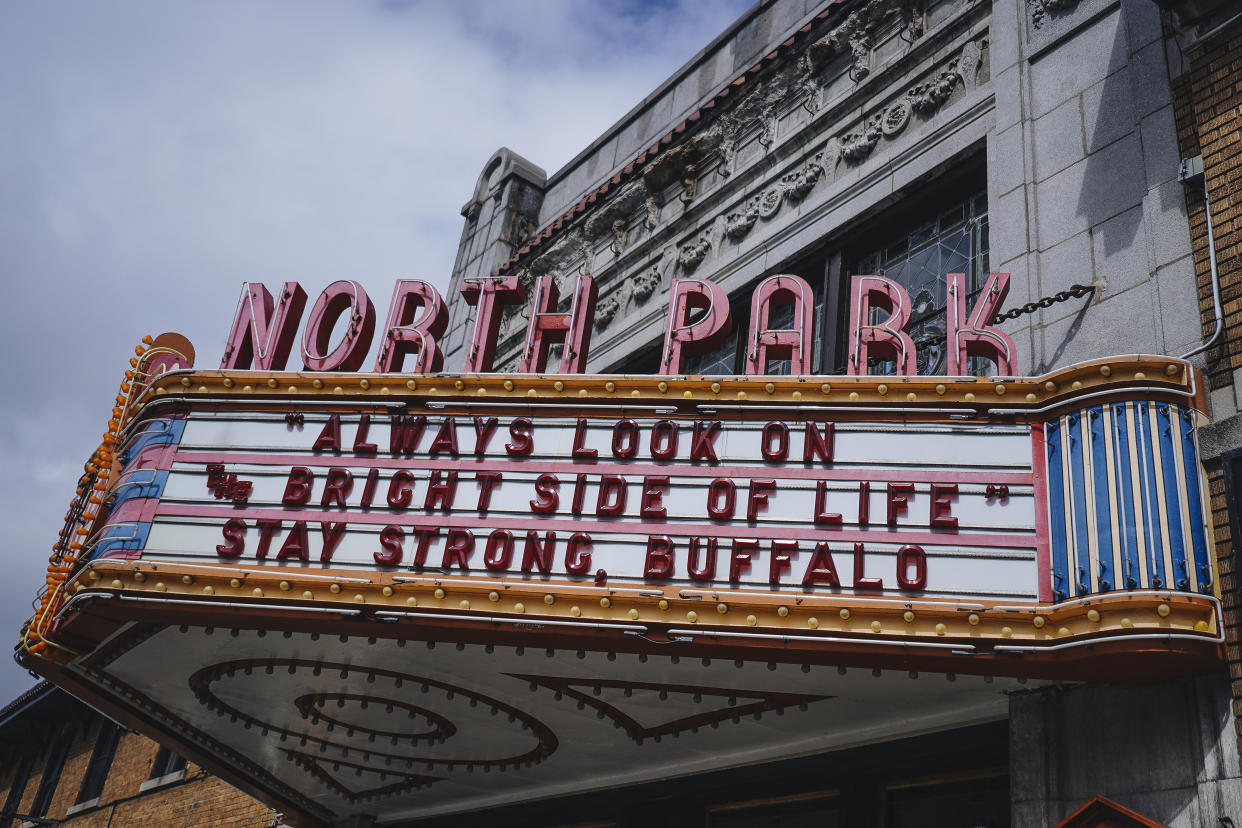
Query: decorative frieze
[692,255]
[925,99]
[645,284]
[798,183]
[856,33]
[605,312]
[738,224]
[1042,9]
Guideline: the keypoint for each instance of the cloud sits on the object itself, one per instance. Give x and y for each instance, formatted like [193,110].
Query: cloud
[157,155]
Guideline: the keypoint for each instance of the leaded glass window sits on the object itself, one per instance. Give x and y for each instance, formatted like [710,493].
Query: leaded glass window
[955,241]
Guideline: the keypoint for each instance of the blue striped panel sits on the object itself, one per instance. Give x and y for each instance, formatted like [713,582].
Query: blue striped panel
[1169,467]
[1103,508]
[1126,500]
[119,538]
[1058,541]
[139,483]
[156,432]
[1078,508]
[1194,497]
[1151,506]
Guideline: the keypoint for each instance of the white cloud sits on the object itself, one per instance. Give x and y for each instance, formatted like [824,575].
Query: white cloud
[156,155]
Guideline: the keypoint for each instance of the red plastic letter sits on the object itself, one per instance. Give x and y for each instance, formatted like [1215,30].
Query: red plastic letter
[488,294]
[888,337]
[409,332]
[263,335]
[680,335]
[974,335]
[794,343]
[547,327]
[337,298]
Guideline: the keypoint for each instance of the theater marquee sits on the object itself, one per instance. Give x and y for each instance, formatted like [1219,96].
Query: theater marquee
[348,593]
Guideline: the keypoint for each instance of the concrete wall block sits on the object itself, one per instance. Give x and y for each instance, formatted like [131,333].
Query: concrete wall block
[1149,72]
[1065,264]
[1119,252]
[1058,139]
[1089,192]
[1007,87]
[1178,311]
[1161,157]
[1125,323]
[1142,22]
[787,14]
[1003,49]
[1166,224]
[1108,111]
[751,40]
[1006,159]
[1008,228]
[1077,63]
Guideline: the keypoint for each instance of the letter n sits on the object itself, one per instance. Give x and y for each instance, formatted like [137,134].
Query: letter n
[264,330]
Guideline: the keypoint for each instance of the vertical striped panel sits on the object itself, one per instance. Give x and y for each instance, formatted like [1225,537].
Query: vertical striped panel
[1058,534]
[1126,501]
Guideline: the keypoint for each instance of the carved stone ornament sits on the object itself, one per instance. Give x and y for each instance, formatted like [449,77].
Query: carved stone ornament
[689,184]
[690,256]
[645,284]
[924,99]
[728,151]
[770,202]
[856,146]
[653,213]
[857,30]
[927,97]
[767,133]
[605,312]
[798,183]
[619,236]
[1042,9]
[896,117]
[738,224]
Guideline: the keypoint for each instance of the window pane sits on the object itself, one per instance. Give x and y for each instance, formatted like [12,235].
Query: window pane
[101,762]
[918,260]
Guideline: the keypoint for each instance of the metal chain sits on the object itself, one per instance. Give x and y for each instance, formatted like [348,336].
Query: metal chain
[1075,292]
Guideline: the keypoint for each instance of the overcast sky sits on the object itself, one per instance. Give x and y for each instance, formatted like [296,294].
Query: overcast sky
[155,155]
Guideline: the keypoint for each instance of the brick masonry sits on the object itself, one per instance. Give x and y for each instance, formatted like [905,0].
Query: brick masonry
[1208,108]
[199,799]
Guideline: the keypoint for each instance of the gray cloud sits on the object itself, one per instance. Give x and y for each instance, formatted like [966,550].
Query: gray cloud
[153,156]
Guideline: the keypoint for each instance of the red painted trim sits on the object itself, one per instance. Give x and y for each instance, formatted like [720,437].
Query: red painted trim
[1043,547]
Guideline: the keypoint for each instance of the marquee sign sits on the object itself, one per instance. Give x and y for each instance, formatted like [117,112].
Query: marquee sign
[349,593]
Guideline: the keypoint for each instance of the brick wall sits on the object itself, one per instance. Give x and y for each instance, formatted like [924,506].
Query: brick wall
[198,800]
[1231,601]
[1208,106]
[1208,109]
